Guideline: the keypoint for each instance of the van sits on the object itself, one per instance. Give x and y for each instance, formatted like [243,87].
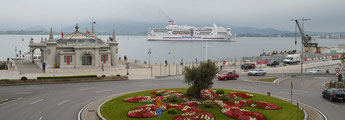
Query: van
[292,59]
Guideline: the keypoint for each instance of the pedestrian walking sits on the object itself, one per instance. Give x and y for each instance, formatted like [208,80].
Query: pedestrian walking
[166,63]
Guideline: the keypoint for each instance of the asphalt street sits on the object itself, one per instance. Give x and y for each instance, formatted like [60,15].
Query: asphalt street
[63,101]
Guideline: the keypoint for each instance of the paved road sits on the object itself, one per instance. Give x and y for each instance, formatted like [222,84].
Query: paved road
[63,101]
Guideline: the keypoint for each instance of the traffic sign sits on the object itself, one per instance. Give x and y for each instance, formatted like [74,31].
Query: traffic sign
[159,111]
[337,74]
[337,70]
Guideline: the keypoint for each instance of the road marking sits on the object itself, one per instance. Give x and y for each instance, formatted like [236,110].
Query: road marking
[87,88]
[37,101]
[11,101]
[63,102]
[40,118]
[332,104]
[23,93]
[104,91]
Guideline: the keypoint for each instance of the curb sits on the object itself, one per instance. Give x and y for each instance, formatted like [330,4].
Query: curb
[258,81]
[98,109]
[286,99]
[277,81]
[282,98]
[66,82]
[324,86]
[166,76]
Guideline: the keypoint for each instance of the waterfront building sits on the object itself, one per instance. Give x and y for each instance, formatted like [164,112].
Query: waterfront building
[76,50]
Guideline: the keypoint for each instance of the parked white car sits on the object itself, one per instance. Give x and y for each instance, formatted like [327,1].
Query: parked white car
[256,72]
[315,71]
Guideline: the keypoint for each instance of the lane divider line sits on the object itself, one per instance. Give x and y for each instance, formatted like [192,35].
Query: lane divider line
[20,93]
[63,102]
[37,101]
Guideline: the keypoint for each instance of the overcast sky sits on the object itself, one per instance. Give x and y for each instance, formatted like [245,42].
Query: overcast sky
[326,15]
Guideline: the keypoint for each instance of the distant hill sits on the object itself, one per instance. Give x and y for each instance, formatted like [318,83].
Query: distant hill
[140,28]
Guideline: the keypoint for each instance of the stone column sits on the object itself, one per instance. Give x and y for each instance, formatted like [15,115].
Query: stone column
[97,61]
[114,51]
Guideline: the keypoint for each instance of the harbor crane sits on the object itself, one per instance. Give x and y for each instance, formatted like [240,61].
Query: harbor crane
[306,39]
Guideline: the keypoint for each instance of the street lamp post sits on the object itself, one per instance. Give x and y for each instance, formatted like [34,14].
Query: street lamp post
[302,60]
[206,53]
[149,57]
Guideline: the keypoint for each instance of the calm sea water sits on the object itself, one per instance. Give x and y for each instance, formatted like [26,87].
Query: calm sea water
[136,47]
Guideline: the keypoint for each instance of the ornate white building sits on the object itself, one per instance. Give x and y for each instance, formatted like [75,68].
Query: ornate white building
[76,50]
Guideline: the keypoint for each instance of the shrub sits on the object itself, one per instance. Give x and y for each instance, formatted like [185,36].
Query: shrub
[4,79]
[207,103]
[172,111]
[173,98]
[201,77]
[24,78]
[118,75]
[220,91]
[104,76]
[64,77]
[191,91]
[159,94]
[225,97]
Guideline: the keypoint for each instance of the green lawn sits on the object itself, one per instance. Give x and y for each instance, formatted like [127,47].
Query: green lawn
[266,79]
[116,109]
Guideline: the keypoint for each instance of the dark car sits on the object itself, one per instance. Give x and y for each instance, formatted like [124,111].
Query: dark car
[273,63]
[247,66]
[334,94]
[228,76]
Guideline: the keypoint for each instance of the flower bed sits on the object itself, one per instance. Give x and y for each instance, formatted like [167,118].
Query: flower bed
[189,111]
[240,95]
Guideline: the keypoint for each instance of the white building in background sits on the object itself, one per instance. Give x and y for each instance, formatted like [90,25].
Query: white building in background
[76,50]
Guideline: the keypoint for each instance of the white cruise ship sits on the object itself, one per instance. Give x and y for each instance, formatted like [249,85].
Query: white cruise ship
[174,32]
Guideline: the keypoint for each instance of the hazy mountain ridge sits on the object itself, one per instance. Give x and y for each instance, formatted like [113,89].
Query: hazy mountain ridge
[140,28]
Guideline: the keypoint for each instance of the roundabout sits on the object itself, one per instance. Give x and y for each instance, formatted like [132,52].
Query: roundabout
[239,105]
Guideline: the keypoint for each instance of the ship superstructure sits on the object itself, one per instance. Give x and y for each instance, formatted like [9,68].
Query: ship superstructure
[189,33]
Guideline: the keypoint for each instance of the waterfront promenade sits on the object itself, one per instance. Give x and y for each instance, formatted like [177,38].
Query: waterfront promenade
[140,71]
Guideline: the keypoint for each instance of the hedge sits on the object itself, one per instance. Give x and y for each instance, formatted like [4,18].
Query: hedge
[63,77]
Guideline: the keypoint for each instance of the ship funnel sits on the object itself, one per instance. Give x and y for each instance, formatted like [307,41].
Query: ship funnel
[171,22]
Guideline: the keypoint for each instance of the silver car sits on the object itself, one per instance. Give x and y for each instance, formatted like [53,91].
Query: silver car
[256,72]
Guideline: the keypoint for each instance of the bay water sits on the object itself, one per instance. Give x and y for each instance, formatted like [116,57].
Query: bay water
[137,47]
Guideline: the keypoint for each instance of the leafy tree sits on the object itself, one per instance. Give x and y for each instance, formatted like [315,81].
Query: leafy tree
[200,77]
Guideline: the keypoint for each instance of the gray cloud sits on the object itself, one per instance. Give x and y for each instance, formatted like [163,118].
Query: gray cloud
[327,15]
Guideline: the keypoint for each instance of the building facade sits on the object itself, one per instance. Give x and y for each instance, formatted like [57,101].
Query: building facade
[76,50]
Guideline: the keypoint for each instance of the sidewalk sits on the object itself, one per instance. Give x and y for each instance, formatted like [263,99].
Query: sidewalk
[136,71]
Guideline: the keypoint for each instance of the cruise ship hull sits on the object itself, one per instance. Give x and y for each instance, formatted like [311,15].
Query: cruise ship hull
[191,38]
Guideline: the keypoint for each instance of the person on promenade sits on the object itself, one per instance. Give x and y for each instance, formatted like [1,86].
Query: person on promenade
[181,62]
[166,63]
